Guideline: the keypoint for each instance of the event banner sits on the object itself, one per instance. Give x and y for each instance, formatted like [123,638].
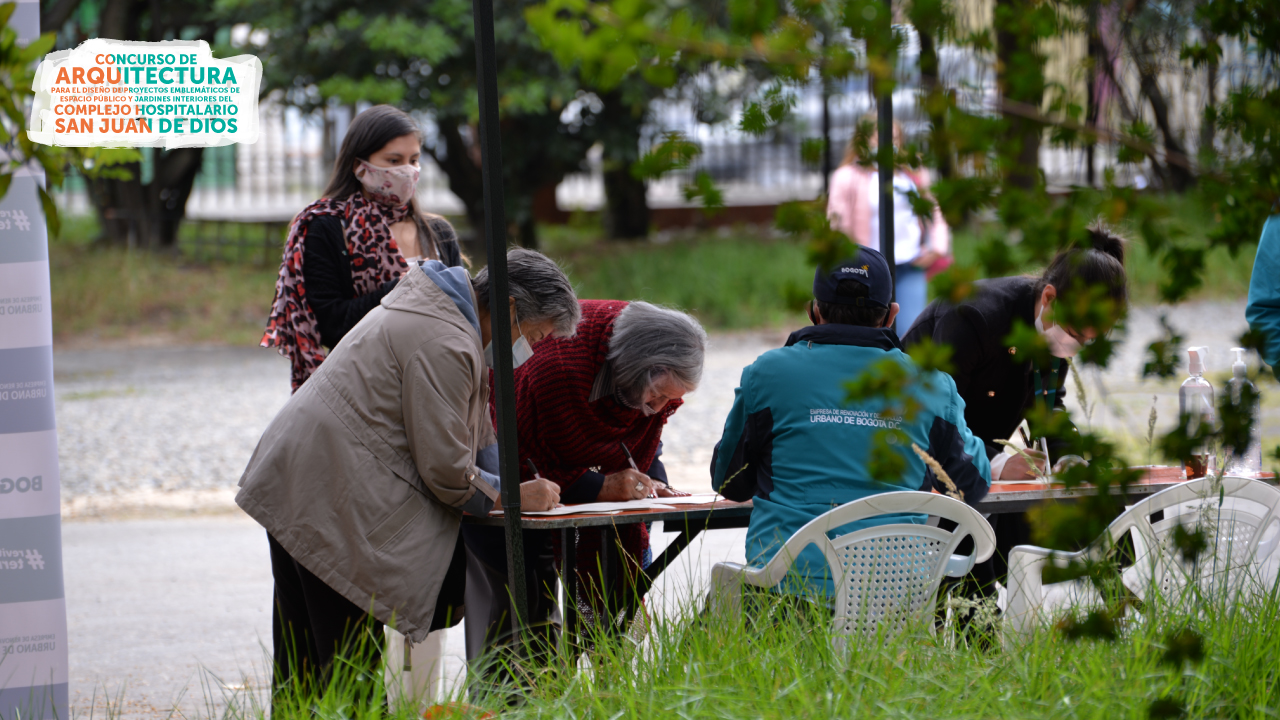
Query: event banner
[136,94]
[33,611]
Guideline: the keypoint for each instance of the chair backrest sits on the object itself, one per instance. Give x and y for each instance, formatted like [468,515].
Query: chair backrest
[886,574]
[1240,519]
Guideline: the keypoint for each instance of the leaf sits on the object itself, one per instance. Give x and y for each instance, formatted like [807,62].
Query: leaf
[5,180]
[811,151]
[675,152]
[1166,708]
[37,48]
[50,213]
[705,188]
[1182,647]
[397,34]
[1190,544]
[367,89]
[1163,354]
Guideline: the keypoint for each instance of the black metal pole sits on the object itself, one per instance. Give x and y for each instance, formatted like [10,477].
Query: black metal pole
[495,236]
[884,162]
[826,118]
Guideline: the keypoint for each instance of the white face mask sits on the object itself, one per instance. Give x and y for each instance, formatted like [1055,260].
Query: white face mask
[393,185]
[1061,344]
[521,350]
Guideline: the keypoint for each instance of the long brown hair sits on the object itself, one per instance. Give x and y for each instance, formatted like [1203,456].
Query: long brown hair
[368,133]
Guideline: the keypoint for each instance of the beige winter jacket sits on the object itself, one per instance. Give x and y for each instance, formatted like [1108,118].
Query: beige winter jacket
[361,474]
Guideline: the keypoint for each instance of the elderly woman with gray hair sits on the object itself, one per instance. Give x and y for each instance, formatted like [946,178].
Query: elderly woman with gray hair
[587,407]
[362,478]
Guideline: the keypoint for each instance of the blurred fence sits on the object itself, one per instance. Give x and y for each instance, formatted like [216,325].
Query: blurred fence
[270,181]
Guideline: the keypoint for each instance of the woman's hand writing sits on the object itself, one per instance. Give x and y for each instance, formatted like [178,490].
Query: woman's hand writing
[625,485]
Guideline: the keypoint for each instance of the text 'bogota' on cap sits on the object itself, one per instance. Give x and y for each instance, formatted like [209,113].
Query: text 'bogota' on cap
[867,267]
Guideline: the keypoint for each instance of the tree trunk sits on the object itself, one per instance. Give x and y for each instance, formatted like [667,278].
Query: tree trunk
[936,103]
[1208,124]
[147,216]
[626,214]
[1018,57]
[465,180]
[1096,56]
[1177,164]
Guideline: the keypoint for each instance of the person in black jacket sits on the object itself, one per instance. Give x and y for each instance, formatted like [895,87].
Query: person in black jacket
[999,387]
[348,249]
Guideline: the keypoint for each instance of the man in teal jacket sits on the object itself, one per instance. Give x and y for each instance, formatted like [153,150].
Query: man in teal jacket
[795,446]
[1263,310]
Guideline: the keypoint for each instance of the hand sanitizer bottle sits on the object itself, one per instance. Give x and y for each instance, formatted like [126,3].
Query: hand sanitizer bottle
[1195,399]
[1249,462]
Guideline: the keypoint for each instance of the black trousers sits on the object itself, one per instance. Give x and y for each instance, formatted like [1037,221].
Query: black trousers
[489,598]
[312,624]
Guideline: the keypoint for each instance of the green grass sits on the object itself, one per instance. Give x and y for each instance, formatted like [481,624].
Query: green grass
[105,294]
[731,279]
[785,668]
[1223,275]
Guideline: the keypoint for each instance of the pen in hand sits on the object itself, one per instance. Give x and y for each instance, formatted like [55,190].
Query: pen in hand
[632,462]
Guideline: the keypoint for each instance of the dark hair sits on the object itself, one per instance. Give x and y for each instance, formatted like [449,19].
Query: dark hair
[865,316]
[1101,264]
[368,133]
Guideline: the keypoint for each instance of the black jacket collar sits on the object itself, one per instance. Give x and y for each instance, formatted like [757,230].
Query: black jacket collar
[830,334]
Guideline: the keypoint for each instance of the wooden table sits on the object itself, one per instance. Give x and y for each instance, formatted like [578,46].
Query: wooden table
[688,521]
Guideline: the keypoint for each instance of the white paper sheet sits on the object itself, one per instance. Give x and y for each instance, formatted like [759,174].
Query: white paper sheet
[699,499]
[613,508]
[610,508]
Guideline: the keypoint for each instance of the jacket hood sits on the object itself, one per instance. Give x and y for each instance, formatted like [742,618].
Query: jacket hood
[416,294]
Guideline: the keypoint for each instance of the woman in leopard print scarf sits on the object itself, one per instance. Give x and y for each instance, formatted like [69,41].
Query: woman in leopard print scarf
[348,249]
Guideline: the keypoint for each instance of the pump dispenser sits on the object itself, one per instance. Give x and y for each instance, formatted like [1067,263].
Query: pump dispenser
[1195,400]
[1249,462]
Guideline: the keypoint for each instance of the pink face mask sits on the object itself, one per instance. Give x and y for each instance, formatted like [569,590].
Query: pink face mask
[393,185]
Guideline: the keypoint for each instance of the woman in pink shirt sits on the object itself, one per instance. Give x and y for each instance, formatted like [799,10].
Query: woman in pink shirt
[853,207]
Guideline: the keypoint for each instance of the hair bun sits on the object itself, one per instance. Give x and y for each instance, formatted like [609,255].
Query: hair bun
[1103,238]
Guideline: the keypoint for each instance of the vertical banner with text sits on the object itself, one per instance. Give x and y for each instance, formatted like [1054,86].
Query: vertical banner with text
[33,611]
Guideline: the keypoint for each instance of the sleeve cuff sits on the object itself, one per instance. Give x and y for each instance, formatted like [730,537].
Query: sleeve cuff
[583,490]
[997,465]
[481,501]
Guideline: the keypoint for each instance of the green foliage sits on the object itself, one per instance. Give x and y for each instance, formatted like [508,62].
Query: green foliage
[811,151]
[704,188]
[17,72]
[761,116]
[888,456]
[777,663]
[1190,544]
[675,152]
[1163,353]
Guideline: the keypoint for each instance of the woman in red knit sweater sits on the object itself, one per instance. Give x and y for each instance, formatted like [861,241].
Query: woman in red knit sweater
[578,401]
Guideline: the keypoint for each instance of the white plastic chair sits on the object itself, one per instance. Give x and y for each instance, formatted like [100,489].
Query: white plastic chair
[1241,521]
[884,574]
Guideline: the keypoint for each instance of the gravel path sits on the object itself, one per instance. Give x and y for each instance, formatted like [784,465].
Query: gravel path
[156,428]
